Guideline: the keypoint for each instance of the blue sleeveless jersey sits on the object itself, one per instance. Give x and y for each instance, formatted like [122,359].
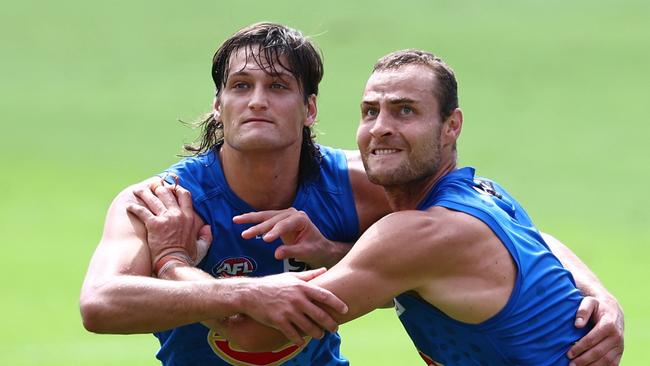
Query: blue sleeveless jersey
[328,201]
[536,325]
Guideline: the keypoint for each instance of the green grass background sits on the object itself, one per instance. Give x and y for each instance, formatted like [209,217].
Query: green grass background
[556,97]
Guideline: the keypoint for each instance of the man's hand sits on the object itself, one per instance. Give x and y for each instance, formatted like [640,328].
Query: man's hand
[174,230]
[603,345]
[290,304]
[302,240]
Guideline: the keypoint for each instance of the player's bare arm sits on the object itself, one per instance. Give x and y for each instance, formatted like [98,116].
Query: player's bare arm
[418,251]
[407,251]
[365,277]
[120,296]
[251,336]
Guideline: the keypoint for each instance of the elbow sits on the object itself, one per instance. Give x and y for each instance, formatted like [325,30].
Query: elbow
[90,315]
[95,313]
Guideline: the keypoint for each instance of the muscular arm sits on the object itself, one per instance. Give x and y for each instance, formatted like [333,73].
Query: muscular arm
[170,232]
[372,274]
[378,265]
[120,296]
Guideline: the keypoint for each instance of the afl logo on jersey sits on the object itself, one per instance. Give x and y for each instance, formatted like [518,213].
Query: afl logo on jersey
[234,266]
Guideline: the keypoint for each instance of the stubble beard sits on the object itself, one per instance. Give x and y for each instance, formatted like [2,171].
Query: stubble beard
[415,169]
[409,173]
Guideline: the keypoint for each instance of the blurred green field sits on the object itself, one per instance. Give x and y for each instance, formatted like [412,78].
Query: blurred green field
[556,96]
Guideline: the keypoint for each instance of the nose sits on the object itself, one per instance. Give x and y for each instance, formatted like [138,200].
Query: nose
[382,126]
[258,100]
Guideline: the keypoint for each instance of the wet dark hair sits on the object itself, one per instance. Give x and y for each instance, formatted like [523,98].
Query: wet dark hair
[265,43]
[445,88]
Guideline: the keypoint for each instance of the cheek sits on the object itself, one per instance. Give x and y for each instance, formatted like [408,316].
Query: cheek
[360,139]
[363,135]
[225,109]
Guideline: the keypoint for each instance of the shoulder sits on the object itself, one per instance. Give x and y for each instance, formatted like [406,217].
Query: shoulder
[199,174]
[120,225]
[193,165]
[127,195]
[369,198]
[424,238]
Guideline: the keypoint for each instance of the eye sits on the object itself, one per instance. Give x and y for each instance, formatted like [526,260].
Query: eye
[239,85]
[277,85]
[371,112]
[406,110]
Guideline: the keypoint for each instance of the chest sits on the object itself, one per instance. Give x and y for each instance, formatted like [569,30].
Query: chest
[231,255]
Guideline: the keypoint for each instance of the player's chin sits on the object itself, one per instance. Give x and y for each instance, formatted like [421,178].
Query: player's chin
[260,142]
[385,177]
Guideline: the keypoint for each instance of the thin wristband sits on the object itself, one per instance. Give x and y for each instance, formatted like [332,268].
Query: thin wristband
[171,263]
[178,257]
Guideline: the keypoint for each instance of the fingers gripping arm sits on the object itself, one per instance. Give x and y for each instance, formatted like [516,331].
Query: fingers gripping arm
[172,225]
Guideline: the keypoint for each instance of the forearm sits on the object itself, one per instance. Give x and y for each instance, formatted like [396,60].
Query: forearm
[585,279]
[241,331]
[185,272]
[139,304]
[247,334]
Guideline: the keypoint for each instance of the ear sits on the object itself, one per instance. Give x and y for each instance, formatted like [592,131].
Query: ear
[452,126]
[312,110]
[216,108]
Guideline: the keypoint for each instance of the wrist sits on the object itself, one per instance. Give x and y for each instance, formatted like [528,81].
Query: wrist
[237,294]
[168,261]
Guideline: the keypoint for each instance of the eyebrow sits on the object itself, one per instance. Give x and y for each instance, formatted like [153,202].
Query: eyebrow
[281,74]
[395,101]
[402,101]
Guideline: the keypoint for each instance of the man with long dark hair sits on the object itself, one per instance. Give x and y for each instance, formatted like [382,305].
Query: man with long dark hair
[256,153]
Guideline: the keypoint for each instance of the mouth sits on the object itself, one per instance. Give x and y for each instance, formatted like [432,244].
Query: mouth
[384,151]
[257,119]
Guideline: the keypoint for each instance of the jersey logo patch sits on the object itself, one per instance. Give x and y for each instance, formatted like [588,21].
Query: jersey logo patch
[486,187]
[234,266]
[233,356]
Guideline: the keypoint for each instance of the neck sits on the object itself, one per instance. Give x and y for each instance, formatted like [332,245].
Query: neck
[407,196]
[265,180]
